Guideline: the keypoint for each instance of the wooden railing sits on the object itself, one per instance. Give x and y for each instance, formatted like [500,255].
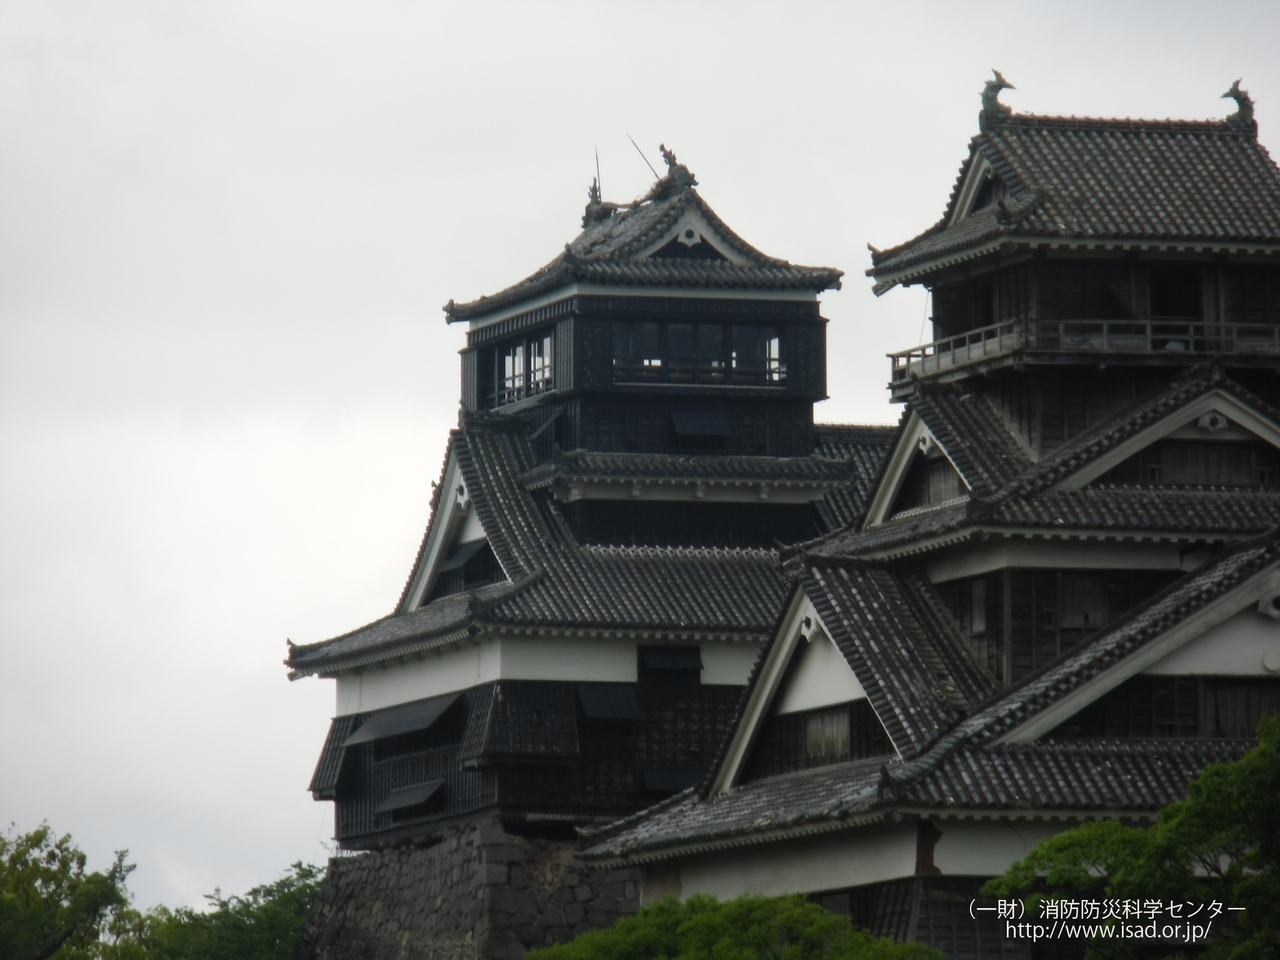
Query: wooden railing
[1153,336]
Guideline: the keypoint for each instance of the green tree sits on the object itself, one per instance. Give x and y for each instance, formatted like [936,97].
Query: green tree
[264,924]
[748,928]
[1221,843]
[51,907]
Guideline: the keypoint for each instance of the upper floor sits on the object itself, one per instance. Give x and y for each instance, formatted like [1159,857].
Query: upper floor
[658,305]
[1087,242]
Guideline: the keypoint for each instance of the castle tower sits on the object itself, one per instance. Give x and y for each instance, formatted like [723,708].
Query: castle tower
[600,568]
[1063,598]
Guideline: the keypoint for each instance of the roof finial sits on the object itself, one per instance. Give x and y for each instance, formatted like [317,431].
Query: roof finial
[992,108]
[1244,104]
[680,175]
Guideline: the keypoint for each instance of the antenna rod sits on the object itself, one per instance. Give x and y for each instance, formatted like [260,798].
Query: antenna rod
[599,185]
[643,157]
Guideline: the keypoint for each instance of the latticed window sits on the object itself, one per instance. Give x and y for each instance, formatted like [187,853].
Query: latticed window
[525,368]
[697,353]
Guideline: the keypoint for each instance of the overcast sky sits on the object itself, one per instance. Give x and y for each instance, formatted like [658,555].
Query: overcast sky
[226,231]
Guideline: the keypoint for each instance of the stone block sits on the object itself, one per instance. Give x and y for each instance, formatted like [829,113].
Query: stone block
[574,914]
[629,906]
[488,833]
[562,895]
[509,900]
[495,873]
[612,890]
[499,945]
[504,853]
[598,919]
[519,875]
[620,876]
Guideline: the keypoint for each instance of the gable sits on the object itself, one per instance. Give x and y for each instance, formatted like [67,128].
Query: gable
[979,187]
[1234,628]
[801,674]
[455,540]
[818,676]
[692,237]
[918,472]
[1210,441]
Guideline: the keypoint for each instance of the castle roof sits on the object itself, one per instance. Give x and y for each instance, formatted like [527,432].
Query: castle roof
[554,583]
[958,765]
[1209,184]
[670,239]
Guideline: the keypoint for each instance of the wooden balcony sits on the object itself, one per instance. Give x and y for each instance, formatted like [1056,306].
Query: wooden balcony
[1155,341]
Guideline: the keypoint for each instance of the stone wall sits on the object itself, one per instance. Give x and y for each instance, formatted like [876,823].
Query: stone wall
[474,892]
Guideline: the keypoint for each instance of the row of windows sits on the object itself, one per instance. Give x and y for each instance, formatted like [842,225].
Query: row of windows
[1223,463]
[1017,621]
[1178,707]
[697,353]
[649,352]
[1108,291]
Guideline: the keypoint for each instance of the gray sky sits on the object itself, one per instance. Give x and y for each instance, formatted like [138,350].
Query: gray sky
[226,231]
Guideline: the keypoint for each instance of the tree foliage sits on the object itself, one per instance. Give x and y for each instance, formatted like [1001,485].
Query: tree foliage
[50,905]
[1222,843]
[52,908]
[264,924]
[748,928]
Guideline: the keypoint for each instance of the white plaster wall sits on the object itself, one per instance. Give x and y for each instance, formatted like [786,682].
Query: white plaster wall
[988,847]
[728,663]
[844,859]
[471,528]
[1235,647]
[822,678]
[454,669]
[569,658]
[996,554]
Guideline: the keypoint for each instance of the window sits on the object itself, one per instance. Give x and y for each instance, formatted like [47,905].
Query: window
[697,353]
[1176,294]
[524,368]
[818,738]
[1177,707]
[1208,463]
[677,665]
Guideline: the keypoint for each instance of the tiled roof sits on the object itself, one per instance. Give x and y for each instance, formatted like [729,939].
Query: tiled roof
[865,447]
[1118,775]
[586,465]
[670,589]
[904,654]
[964,768]
[1208,182]
[1197,512]
[976,438]
[556,583]
[1096,442]
[608,251]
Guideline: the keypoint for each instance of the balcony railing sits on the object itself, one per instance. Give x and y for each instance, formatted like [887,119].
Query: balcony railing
[1156,337]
